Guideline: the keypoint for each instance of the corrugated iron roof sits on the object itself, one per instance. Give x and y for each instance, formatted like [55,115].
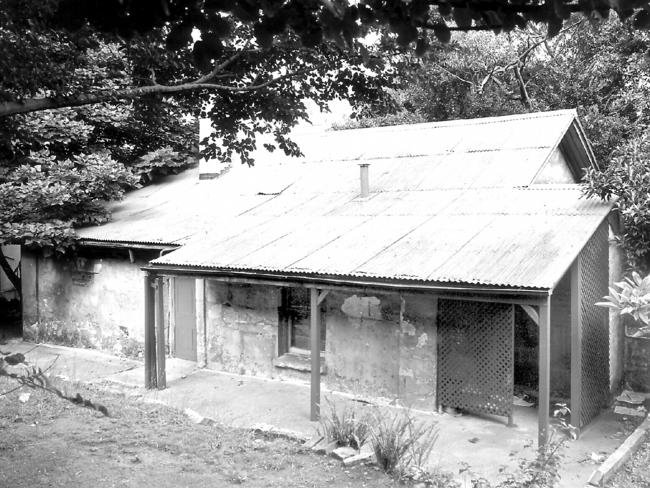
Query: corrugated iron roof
[501,151]
[517,237]
[450,202]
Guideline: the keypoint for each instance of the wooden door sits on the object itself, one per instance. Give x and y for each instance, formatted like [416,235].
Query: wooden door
[185,318]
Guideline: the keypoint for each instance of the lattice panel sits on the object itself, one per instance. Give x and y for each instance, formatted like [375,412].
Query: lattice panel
[594,274]
[476,356]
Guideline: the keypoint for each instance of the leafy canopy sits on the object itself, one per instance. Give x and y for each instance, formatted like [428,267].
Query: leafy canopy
[90,109]
[104,88]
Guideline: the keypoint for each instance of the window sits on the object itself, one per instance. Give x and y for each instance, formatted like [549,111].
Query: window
[295,323]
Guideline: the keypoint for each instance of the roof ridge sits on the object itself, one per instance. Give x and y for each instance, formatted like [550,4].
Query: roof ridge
[469,121]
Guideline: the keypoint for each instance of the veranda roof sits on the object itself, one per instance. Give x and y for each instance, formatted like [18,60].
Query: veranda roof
[515,237]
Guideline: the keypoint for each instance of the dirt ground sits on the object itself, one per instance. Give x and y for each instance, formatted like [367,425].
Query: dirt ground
[636,472]
[49,442]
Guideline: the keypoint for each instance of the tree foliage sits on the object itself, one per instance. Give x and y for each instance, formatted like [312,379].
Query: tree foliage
[114,80]
[91,109]
[59,167]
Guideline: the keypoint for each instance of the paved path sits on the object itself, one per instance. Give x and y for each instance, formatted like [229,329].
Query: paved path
[468,444]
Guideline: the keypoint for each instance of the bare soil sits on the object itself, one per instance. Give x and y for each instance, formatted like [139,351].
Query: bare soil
[49,442]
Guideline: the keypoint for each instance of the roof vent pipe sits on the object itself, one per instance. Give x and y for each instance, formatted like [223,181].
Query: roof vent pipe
[365,183]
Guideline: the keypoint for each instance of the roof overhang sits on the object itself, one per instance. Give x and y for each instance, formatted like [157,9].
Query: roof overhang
[521,295]
[150,246]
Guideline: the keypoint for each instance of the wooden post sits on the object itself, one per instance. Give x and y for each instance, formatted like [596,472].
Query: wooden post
[201,333]
[544,371]
[160,335]
[576,346]
[314,312]
[150,379]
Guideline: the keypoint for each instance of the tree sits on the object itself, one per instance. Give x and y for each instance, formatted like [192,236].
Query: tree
[311,23]
[58,167]
[122,71]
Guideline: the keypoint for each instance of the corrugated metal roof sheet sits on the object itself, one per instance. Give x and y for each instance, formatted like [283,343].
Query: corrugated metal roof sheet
[518,237]
[524,131]
[498,151]
[450,202]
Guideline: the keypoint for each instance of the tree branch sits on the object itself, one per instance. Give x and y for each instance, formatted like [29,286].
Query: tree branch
[218,68]
[525,99]
[450,73]
[37,104]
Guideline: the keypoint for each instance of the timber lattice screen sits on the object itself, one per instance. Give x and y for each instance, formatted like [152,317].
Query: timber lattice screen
[594,275]
[476,356]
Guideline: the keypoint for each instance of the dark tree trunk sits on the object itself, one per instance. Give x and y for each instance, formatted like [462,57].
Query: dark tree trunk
[10,272]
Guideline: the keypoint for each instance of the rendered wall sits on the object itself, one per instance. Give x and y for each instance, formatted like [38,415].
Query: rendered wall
[375,345]
[241,327]
[94,302]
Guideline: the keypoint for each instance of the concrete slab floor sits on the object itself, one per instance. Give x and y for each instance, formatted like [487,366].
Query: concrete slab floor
[469,446]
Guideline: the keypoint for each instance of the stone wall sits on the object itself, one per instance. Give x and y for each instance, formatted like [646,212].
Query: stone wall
[241,327]
[381,345]
[93,300]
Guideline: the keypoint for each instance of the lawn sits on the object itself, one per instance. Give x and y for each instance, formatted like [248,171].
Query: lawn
[46,441]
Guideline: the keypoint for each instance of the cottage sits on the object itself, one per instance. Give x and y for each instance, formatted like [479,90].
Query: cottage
[440,264]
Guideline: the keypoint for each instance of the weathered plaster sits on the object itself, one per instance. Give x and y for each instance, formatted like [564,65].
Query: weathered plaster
[375,345]
[86,302]
[241,327]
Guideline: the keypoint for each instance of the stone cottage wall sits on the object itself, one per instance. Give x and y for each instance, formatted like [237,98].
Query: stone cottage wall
[95,302]
[241,327]
[382,345]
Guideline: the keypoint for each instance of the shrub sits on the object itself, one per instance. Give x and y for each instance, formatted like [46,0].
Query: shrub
[346,427]
[633,298]
[626,181]
[401,444]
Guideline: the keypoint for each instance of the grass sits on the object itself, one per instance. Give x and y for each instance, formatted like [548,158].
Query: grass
[47,441]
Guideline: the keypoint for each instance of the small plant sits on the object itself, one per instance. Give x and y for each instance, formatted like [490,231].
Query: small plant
[544,470]
[36,378]
[401,444]
[632,298]
[346,427]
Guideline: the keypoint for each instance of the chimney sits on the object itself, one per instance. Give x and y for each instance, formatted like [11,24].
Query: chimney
[209,170]
[365,183]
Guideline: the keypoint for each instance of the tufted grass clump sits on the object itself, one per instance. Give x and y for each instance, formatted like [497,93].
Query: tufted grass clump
[402,445]
[346,425]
